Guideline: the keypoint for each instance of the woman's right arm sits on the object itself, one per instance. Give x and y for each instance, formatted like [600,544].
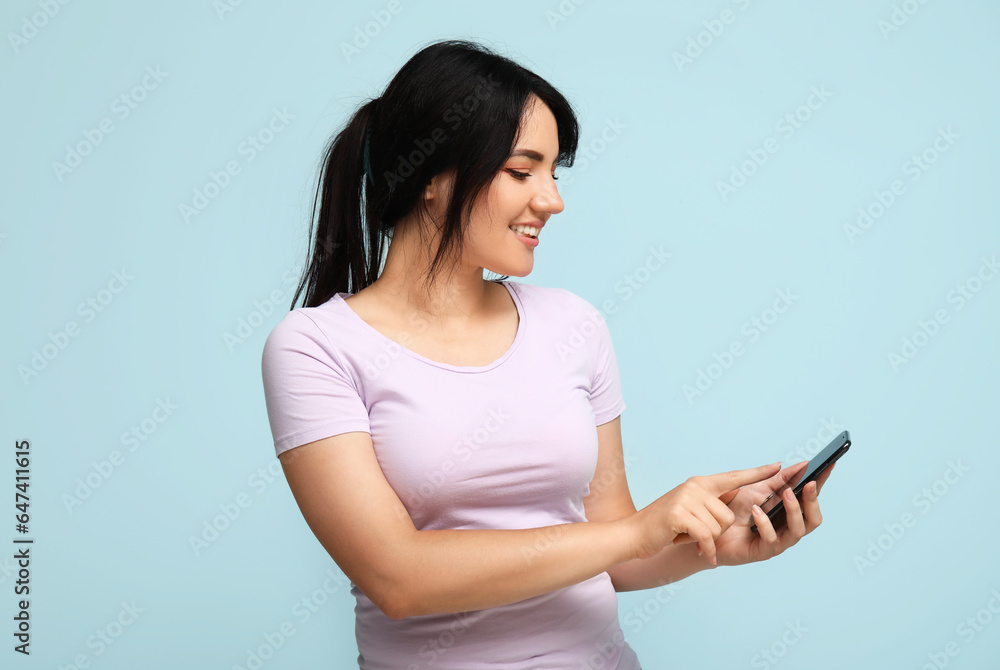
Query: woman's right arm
[360,521]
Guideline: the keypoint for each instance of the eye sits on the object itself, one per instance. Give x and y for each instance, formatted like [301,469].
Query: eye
[521,176]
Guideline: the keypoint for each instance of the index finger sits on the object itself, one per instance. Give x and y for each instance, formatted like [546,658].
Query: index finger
[727,481]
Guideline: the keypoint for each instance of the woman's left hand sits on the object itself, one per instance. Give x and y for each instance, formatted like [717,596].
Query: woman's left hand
[739,545]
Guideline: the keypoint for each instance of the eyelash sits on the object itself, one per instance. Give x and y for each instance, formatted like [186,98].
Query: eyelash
[521,176]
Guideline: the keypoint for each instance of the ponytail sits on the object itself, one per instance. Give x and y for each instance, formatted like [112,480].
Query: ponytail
[339,258]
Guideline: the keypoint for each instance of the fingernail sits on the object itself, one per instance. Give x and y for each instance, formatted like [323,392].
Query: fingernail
[757,509]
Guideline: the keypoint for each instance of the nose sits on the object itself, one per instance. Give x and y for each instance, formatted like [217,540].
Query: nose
[547,199]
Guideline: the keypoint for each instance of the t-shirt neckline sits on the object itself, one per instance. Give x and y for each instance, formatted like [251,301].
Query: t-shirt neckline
[446,366]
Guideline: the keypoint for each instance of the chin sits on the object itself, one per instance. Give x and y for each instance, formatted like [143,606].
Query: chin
[513,270]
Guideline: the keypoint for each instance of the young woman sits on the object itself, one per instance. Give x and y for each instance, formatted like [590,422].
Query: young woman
[453,442]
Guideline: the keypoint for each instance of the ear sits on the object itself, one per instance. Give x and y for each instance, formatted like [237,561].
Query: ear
[438,186]
[433,189]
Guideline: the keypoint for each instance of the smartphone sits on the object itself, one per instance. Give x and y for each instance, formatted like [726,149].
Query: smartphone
[774,506]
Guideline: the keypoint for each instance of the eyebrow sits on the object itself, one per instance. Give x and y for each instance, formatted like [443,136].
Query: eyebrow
[529,153]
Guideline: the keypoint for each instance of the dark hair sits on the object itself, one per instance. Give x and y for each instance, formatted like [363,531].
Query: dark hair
[454,104]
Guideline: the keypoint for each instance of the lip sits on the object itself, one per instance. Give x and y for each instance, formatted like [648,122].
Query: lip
[530,241]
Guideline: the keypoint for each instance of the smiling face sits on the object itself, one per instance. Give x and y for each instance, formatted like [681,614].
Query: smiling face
[523,192]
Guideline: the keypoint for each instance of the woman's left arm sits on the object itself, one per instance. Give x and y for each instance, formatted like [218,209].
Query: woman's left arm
[609,499]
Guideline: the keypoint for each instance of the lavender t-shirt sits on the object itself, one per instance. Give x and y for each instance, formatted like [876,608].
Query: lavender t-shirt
[511,444]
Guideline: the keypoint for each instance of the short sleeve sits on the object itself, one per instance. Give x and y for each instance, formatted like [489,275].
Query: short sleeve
[307,389]
[605,391]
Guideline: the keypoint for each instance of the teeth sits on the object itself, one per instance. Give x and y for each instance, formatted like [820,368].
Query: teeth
[530,231]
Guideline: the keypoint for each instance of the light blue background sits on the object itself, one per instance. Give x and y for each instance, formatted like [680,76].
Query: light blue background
[680,129]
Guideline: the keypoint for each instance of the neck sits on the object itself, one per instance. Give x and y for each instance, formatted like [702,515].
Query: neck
[459,294]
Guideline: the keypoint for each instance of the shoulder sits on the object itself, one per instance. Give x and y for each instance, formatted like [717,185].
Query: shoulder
[304,330]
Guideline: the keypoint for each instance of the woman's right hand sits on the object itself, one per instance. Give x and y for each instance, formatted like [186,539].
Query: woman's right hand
[695,511]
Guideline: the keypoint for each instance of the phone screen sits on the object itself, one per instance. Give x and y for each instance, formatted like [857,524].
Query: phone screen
[816,465]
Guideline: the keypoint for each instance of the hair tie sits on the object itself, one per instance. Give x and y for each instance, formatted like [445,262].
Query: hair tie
[368,166]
